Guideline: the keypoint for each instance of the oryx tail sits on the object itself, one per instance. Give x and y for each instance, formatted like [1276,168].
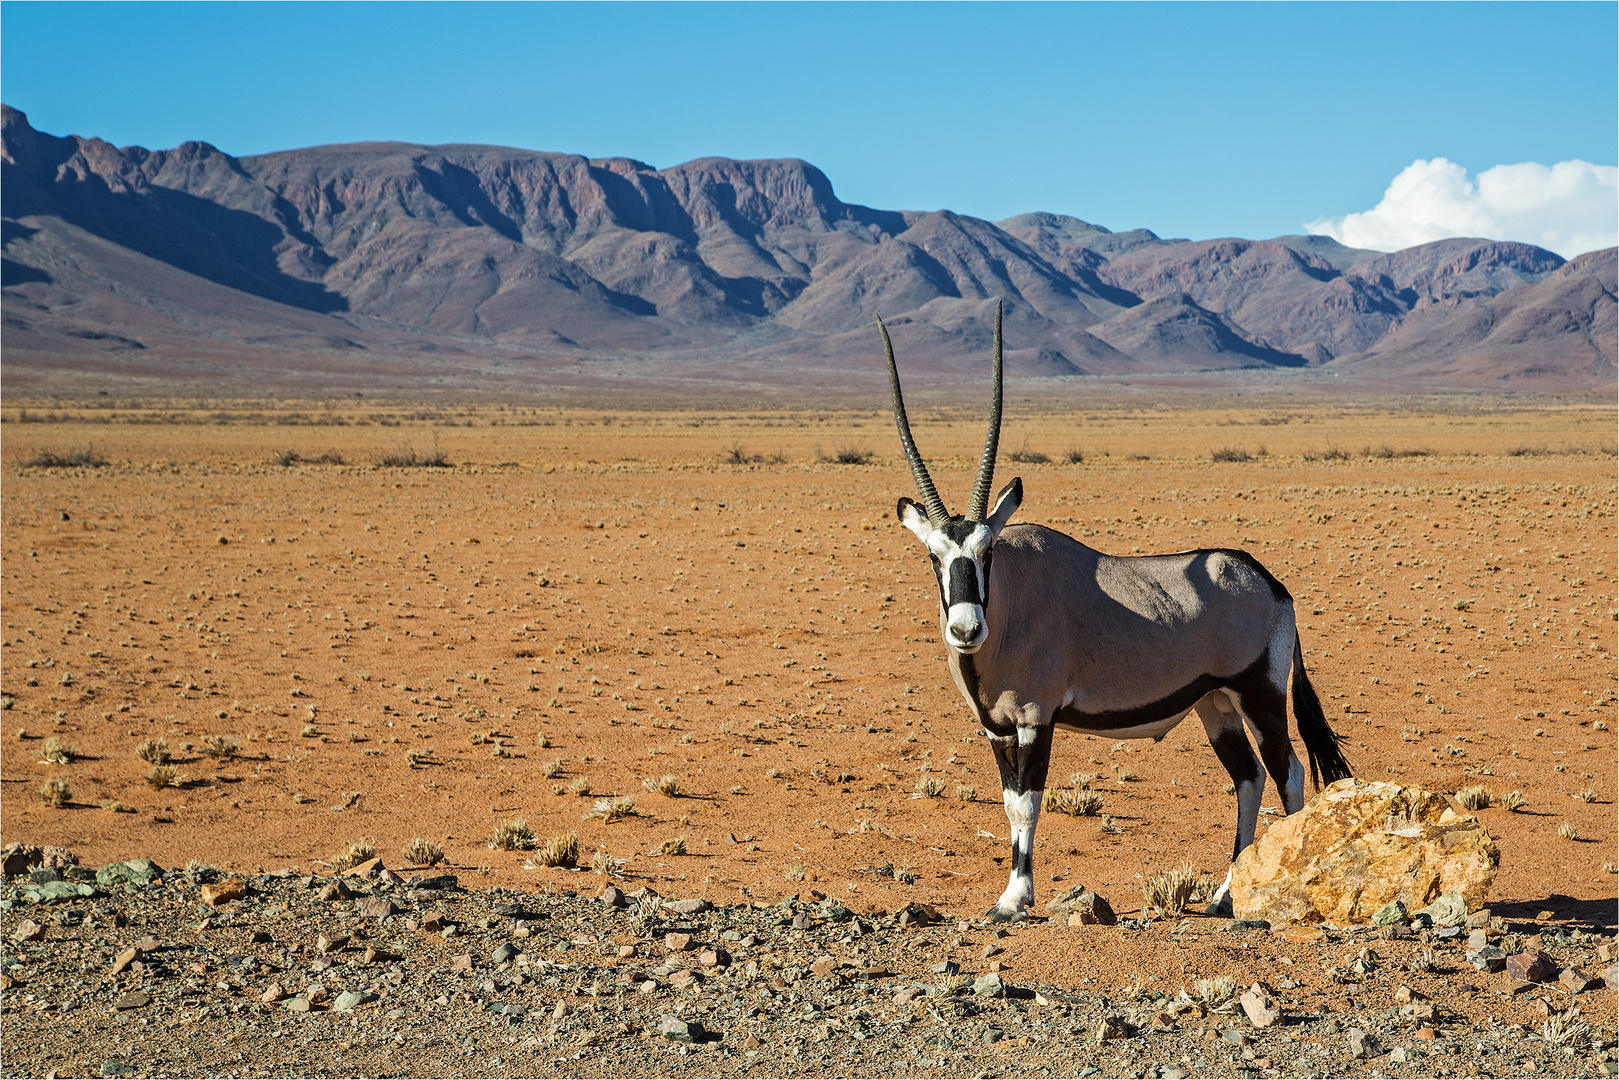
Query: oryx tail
[1327,762]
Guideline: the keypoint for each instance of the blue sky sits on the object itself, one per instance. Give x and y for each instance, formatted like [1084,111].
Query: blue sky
[1191,120]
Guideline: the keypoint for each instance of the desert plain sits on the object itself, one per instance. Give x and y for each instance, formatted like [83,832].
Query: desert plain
[578,603]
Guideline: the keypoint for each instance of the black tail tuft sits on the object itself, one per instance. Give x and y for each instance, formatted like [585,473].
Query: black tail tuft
[1327,762]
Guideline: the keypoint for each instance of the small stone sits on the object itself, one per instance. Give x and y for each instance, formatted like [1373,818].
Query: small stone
[1481,917]
[1300,933]
[328,945]
[1238,1038]
[1362,1045]
[613,897]
[907,994]
[1077,900]
[802,921]
[1111,1028]
[505,954]
[1610,975]
[1477,940]
[676,942]
[1607,951]
[349,1000]
[135,999]
[994,1035]
[989,985]
[273,993]
[946,967]
[368,869]
[115,1067]
[1262,1009]
[124,959]
[376,907]
[374,955]
[1533,966]
[1427,1034]
[1171,1072]
[27,930]
[677,1030]
[1392,913]
[1398,1056]
[135,871]
[682,979]
[317,993]
[990,949]
[1488,958]
[432,924]
[296,1004]
[824,968]
[687,907]
[714,958]
[224,892]
[1576,980]
[626,951]
[334,890]
[148,944]
[1161,1021]
[462,963]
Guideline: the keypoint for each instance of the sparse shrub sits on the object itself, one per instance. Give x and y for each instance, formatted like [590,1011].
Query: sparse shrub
[1170,891]
[1231,453]
[297,796]
[77,458]
[1462,605]
[551,768]
[1024,456]
[357,852]
[561,850]
[416,758]
[1586,795]
[966,792]
[55,792]
[1567,831]
[1074,456]
[159,777]
[1513,800]
[405,456]
[117,807]
[513,835]
[603,863]
[1331,453]
[794,872]
[930,787]
[580,786]
[675,845]
[1385,452]
[57,752]
[1122,773]
[737,454]
[1082,781]
[292,457]
[1565,1029]
[223,747]
[851,455]
[420,852]
[662,785]
[1477,797]
[1076,802]
[611,810]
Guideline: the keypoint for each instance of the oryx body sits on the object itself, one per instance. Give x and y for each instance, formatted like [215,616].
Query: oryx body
[1044,631]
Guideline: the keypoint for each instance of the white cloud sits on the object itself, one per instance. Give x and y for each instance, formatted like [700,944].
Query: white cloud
[1571,207]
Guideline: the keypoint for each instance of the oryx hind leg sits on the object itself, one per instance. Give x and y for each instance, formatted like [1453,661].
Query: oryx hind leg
[1023,755]
[1229,741]
[1263,704]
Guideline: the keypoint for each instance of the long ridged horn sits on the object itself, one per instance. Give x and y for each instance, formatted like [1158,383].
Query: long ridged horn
[979,506]
[924,483]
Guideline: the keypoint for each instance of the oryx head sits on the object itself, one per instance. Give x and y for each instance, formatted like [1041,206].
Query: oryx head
[959,546]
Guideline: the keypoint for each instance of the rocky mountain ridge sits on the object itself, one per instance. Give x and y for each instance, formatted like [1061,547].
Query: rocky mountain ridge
[125,258]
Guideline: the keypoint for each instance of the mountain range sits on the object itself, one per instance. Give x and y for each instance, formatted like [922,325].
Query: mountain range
[450,264]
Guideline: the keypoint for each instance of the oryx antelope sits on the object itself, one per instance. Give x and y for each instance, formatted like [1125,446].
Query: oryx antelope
[1044,631]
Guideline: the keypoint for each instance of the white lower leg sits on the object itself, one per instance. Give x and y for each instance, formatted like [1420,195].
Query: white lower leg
[1022,813]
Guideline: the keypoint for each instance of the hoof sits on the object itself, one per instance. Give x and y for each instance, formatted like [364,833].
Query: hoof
[1221,907]
[997,914]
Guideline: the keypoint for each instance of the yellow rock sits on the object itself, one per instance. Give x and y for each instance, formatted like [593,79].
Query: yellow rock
[1357,846]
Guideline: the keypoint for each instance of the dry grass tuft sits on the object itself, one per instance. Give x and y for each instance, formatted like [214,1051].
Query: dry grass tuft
[1477,797]
[1567,831]
[55,792]
[1565,1029]
[1231,453]
[794,872]
[159,777]
[1170,891]
[966,792]
[611,810]
[117,807]
[662,785]
[551,769]
[1077,803]
[513,835]
[57,752]
[1024,456]
[77,458]
[1215,992]
[603,863]
[1586,795]
[580,786]
[420,852]
[1513,800]
[222,747]
[675,845]
[560,850]
[930,787]
[357,852]
[405,456]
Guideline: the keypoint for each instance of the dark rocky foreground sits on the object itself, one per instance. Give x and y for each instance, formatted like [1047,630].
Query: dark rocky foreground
[136,971]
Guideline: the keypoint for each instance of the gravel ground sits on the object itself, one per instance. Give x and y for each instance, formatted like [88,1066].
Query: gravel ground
[418,976]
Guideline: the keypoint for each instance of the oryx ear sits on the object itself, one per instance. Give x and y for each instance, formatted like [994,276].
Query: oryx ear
[1006,504]
[914,518]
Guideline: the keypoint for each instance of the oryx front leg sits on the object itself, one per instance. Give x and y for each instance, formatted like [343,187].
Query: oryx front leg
[1224,726]
[1023,755]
